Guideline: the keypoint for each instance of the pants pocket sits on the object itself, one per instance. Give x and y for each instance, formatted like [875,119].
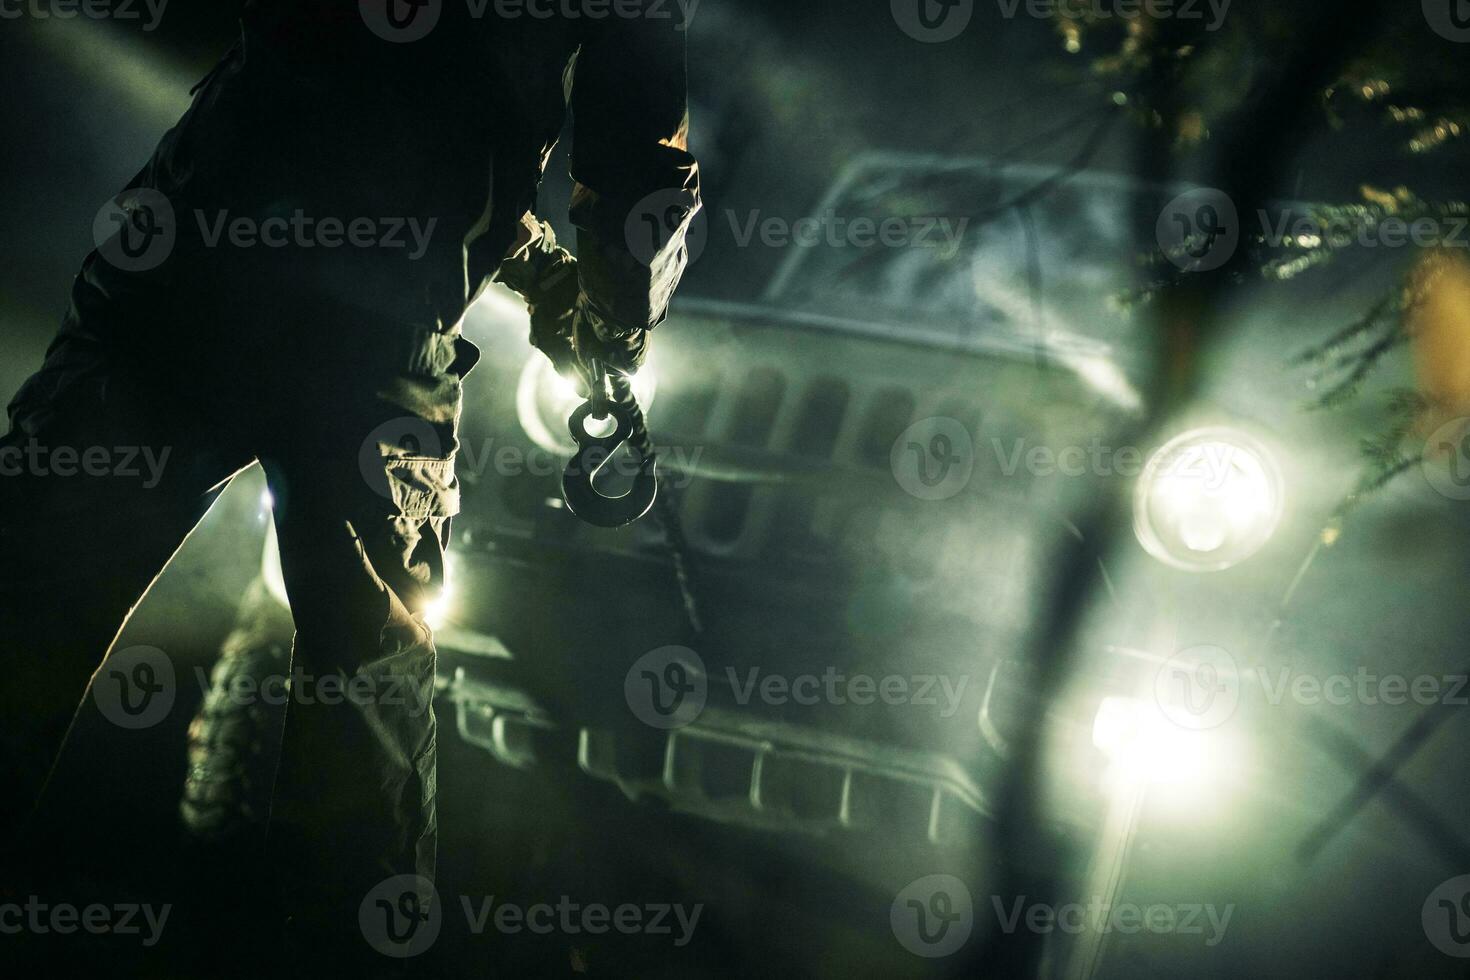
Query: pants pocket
[423,488]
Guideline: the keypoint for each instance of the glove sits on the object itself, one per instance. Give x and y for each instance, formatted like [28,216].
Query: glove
[565,325]
[594,337]
[545,275]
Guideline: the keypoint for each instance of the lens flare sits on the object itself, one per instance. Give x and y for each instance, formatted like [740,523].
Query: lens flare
[438,612]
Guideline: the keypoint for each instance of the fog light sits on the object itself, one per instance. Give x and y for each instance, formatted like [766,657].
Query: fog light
[1208,500]
[1144,746]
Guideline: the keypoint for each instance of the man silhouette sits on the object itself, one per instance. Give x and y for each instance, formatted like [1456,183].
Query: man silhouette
[284,282]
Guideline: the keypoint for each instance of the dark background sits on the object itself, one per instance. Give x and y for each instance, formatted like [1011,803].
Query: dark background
[785,93]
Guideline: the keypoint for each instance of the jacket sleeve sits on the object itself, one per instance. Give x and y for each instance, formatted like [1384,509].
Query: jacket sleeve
[636,184]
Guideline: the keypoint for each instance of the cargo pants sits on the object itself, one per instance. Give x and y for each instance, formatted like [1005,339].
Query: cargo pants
[148,403]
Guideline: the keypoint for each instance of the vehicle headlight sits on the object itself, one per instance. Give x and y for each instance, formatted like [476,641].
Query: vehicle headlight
[1180,768]
[545,400]
[1208,500]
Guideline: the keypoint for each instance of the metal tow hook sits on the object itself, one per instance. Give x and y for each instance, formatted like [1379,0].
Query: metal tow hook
[581,494]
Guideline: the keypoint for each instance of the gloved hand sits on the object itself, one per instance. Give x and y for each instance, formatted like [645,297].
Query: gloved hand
[594,337]
[565,325]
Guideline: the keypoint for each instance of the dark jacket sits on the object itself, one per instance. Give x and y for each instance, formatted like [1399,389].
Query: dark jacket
[332,109]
